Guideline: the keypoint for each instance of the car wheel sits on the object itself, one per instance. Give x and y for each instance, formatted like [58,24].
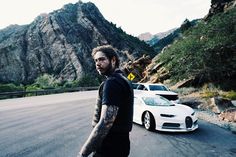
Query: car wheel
[148,121]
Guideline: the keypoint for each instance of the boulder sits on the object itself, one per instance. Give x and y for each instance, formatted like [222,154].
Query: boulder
[218,104]
[192,102]
[228,115]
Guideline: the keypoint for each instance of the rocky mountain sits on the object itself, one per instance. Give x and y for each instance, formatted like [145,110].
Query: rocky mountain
[218,6]
[205,53]
[60,44]
[163,39]
[153,39]
[145,36]
[201,52]
[160,36]
[171,36]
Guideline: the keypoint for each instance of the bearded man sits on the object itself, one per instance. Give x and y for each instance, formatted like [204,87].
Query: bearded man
[113,114]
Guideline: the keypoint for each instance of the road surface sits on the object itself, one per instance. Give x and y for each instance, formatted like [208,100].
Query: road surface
[57,126]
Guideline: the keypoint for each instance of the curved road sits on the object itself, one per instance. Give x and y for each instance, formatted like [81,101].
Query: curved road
[57,125]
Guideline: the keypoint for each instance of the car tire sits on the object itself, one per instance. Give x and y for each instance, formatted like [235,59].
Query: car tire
[148,121]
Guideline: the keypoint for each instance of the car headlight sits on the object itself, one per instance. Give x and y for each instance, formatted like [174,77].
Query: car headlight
[167,115]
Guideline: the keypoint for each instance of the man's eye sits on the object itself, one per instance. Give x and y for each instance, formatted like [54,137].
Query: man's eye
[99,59]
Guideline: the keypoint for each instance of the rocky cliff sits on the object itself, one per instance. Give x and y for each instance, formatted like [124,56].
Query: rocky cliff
[218,6]
[153,39]
[204,54]
[60,44]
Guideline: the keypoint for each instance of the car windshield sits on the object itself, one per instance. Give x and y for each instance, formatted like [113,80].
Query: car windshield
[157,101]
[134,85]
[157,87]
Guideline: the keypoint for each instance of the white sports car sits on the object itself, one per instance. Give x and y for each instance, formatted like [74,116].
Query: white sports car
[157,113]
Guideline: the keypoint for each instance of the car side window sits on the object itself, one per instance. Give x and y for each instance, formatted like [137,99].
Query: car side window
[140,87]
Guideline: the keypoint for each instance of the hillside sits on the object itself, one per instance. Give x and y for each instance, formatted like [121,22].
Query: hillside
[173,35]
[159,37]
[59,44]
[206,53]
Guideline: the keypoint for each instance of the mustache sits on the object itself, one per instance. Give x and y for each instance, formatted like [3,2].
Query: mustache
[105,70]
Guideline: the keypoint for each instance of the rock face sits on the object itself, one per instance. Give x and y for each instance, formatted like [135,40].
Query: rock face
[229,115]
[218,105]
[199,56]
[145,36]
[218,6]
[60,44]
[154,39]
[137,67]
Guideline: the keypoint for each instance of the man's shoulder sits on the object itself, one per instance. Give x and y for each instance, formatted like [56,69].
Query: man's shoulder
[118,79]
[112,80]
[115,76]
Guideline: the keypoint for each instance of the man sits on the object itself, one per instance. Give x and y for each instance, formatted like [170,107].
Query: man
[113,115]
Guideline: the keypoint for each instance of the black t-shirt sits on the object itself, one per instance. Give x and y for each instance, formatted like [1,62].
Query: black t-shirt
[118,91]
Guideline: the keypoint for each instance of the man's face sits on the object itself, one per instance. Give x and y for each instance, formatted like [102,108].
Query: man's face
[103,64]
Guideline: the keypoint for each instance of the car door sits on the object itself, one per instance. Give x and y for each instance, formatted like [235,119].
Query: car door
[137,110]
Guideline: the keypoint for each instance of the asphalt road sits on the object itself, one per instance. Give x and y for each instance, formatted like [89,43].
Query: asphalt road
[57,125]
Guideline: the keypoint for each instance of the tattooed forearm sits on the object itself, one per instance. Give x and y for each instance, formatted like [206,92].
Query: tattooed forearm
[97,113]
[100,131]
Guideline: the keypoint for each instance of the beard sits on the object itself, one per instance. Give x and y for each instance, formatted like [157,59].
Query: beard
[106,71]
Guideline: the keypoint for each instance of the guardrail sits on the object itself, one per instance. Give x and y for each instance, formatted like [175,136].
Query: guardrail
[5,95]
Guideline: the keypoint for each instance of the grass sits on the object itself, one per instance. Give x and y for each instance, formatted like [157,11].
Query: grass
[230,95]
[208,91]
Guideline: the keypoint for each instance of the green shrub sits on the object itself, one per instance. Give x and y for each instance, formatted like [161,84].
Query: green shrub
[11,87]
[88,80]
[32,87]
[71,84]
[209,94]
[45,81]
[230,95]
[209,91]
[204,52]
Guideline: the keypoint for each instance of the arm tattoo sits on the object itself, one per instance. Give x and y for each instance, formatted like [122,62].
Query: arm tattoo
[100,131]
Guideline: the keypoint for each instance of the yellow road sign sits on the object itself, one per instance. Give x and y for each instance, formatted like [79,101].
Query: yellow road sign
[131,76]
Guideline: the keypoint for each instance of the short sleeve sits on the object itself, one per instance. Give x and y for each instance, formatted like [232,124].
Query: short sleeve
[112,94]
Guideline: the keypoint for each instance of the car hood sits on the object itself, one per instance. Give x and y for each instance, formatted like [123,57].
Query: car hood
[162,92]
[176,109]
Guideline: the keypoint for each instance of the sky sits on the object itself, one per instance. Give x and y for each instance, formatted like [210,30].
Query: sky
[133,16]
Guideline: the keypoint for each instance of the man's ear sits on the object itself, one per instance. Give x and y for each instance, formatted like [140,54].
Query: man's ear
[113,61]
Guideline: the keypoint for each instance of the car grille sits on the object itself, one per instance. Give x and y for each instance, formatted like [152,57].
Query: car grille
[188,122]
[169,97]
[171,126]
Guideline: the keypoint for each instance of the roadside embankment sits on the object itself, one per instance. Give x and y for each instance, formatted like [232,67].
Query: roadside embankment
[216,110]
